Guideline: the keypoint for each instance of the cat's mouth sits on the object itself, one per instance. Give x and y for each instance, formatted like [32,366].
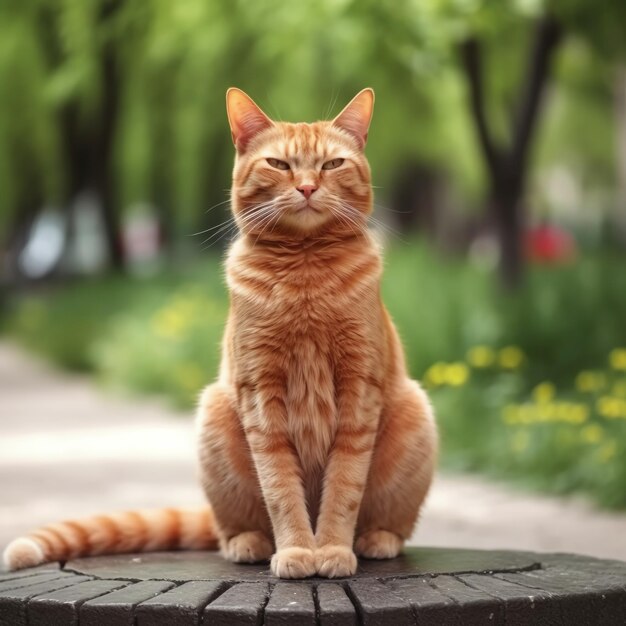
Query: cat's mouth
[306,215]
[307,207]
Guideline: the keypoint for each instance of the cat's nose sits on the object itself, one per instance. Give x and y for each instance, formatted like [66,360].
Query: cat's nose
[306,190]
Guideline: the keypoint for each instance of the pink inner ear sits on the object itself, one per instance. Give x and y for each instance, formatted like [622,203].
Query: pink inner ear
[354,123]
[246,126]
[355,118]
[246,118]
[251,123]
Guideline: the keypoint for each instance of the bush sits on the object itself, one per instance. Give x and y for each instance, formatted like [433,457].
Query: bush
[159,335]
[557,439]
[62,324]
[172,348]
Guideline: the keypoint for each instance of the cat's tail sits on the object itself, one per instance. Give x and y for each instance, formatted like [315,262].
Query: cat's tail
[115,533]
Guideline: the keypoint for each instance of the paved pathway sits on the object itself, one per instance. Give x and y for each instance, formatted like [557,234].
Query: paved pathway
[69,449]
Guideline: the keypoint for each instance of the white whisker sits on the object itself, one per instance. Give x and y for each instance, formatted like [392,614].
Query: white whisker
[217,205]
[206,230]
[257,212]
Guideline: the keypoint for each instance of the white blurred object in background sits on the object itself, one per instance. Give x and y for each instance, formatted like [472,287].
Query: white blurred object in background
[45,244]
[141,239]
[88,253]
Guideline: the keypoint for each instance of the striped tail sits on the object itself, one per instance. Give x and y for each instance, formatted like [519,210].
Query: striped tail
[115,533]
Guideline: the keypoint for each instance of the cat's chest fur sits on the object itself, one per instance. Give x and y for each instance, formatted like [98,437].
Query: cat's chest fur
[299,319]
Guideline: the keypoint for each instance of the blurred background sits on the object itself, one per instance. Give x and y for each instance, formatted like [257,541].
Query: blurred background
[498,150]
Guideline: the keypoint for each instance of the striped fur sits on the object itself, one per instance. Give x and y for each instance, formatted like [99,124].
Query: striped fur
[314,443]
[115,533]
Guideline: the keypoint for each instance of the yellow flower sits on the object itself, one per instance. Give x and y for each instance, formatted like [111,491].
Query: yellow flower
[617,359]
[481,356]
[547,411]
[592,433]
[528,414]
[577,413]
[436,374]
[510,357]
[456,374]
[520,441]
[168,323]
[611,407]
[607,451]
[544,392]
[570,412]
[589,381]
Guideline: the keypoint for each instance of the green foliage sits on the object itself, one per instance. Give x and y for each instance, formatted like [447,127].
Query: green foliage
[174,61]
[87,326]
[558,439]
[64,324]
[584,98]
[565,318]
[521,383]
[170,348]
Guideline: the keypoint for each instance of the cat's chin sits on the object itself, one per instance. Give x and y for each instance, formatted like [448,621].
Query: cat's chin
[306,219]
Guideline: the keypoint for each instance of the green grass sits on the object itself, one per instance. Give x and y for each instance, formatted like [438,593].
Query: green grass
[503,369]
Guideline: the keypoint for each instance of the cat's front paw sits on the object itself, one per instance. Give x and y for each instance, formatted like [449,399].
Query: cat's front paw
[335,561]
[248,547]
[293,563]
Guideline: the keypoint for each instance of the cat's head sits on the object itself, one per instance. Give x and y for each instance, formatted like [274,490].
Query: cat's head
[300,180]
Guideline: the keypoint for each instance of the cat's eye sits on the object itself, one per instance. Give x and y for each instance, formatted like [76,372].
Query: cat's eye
[278,164]
[332,164]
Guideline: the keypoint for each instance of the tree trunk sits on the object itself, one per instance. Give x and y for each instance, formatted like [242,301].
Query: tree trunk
[102,174]
[102,156]
[162,187]
[507,165]
[620,139]
[88,146]
[507,217]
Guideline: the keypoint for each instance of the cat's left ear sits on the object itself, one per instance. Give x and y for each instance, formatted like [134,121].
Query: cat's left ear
[357,115]
[245,117]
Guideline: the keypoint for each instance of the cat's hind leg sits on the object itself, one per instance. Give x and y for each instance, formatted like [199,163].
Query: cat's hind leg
[400,474]
[229,479]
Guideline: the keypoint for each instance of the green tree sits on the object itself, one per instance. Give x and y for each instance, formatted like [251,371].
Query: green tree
[126,97]
[507,162]
[504,53]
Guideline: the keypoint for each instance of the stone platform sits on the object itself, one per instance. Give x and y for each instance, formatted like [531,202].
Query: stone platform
[429,586]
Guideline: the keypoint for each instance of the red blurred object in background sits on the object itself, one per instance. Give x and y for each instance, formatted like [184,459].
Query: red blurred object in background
[550,244]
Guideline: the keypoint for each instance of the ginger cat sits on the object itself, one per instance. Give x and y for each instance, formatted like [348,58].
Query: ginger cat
[315,445]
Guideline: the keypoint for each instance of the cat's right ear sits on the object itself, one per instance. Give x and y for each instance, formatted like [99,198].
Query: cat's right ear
[246,119]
